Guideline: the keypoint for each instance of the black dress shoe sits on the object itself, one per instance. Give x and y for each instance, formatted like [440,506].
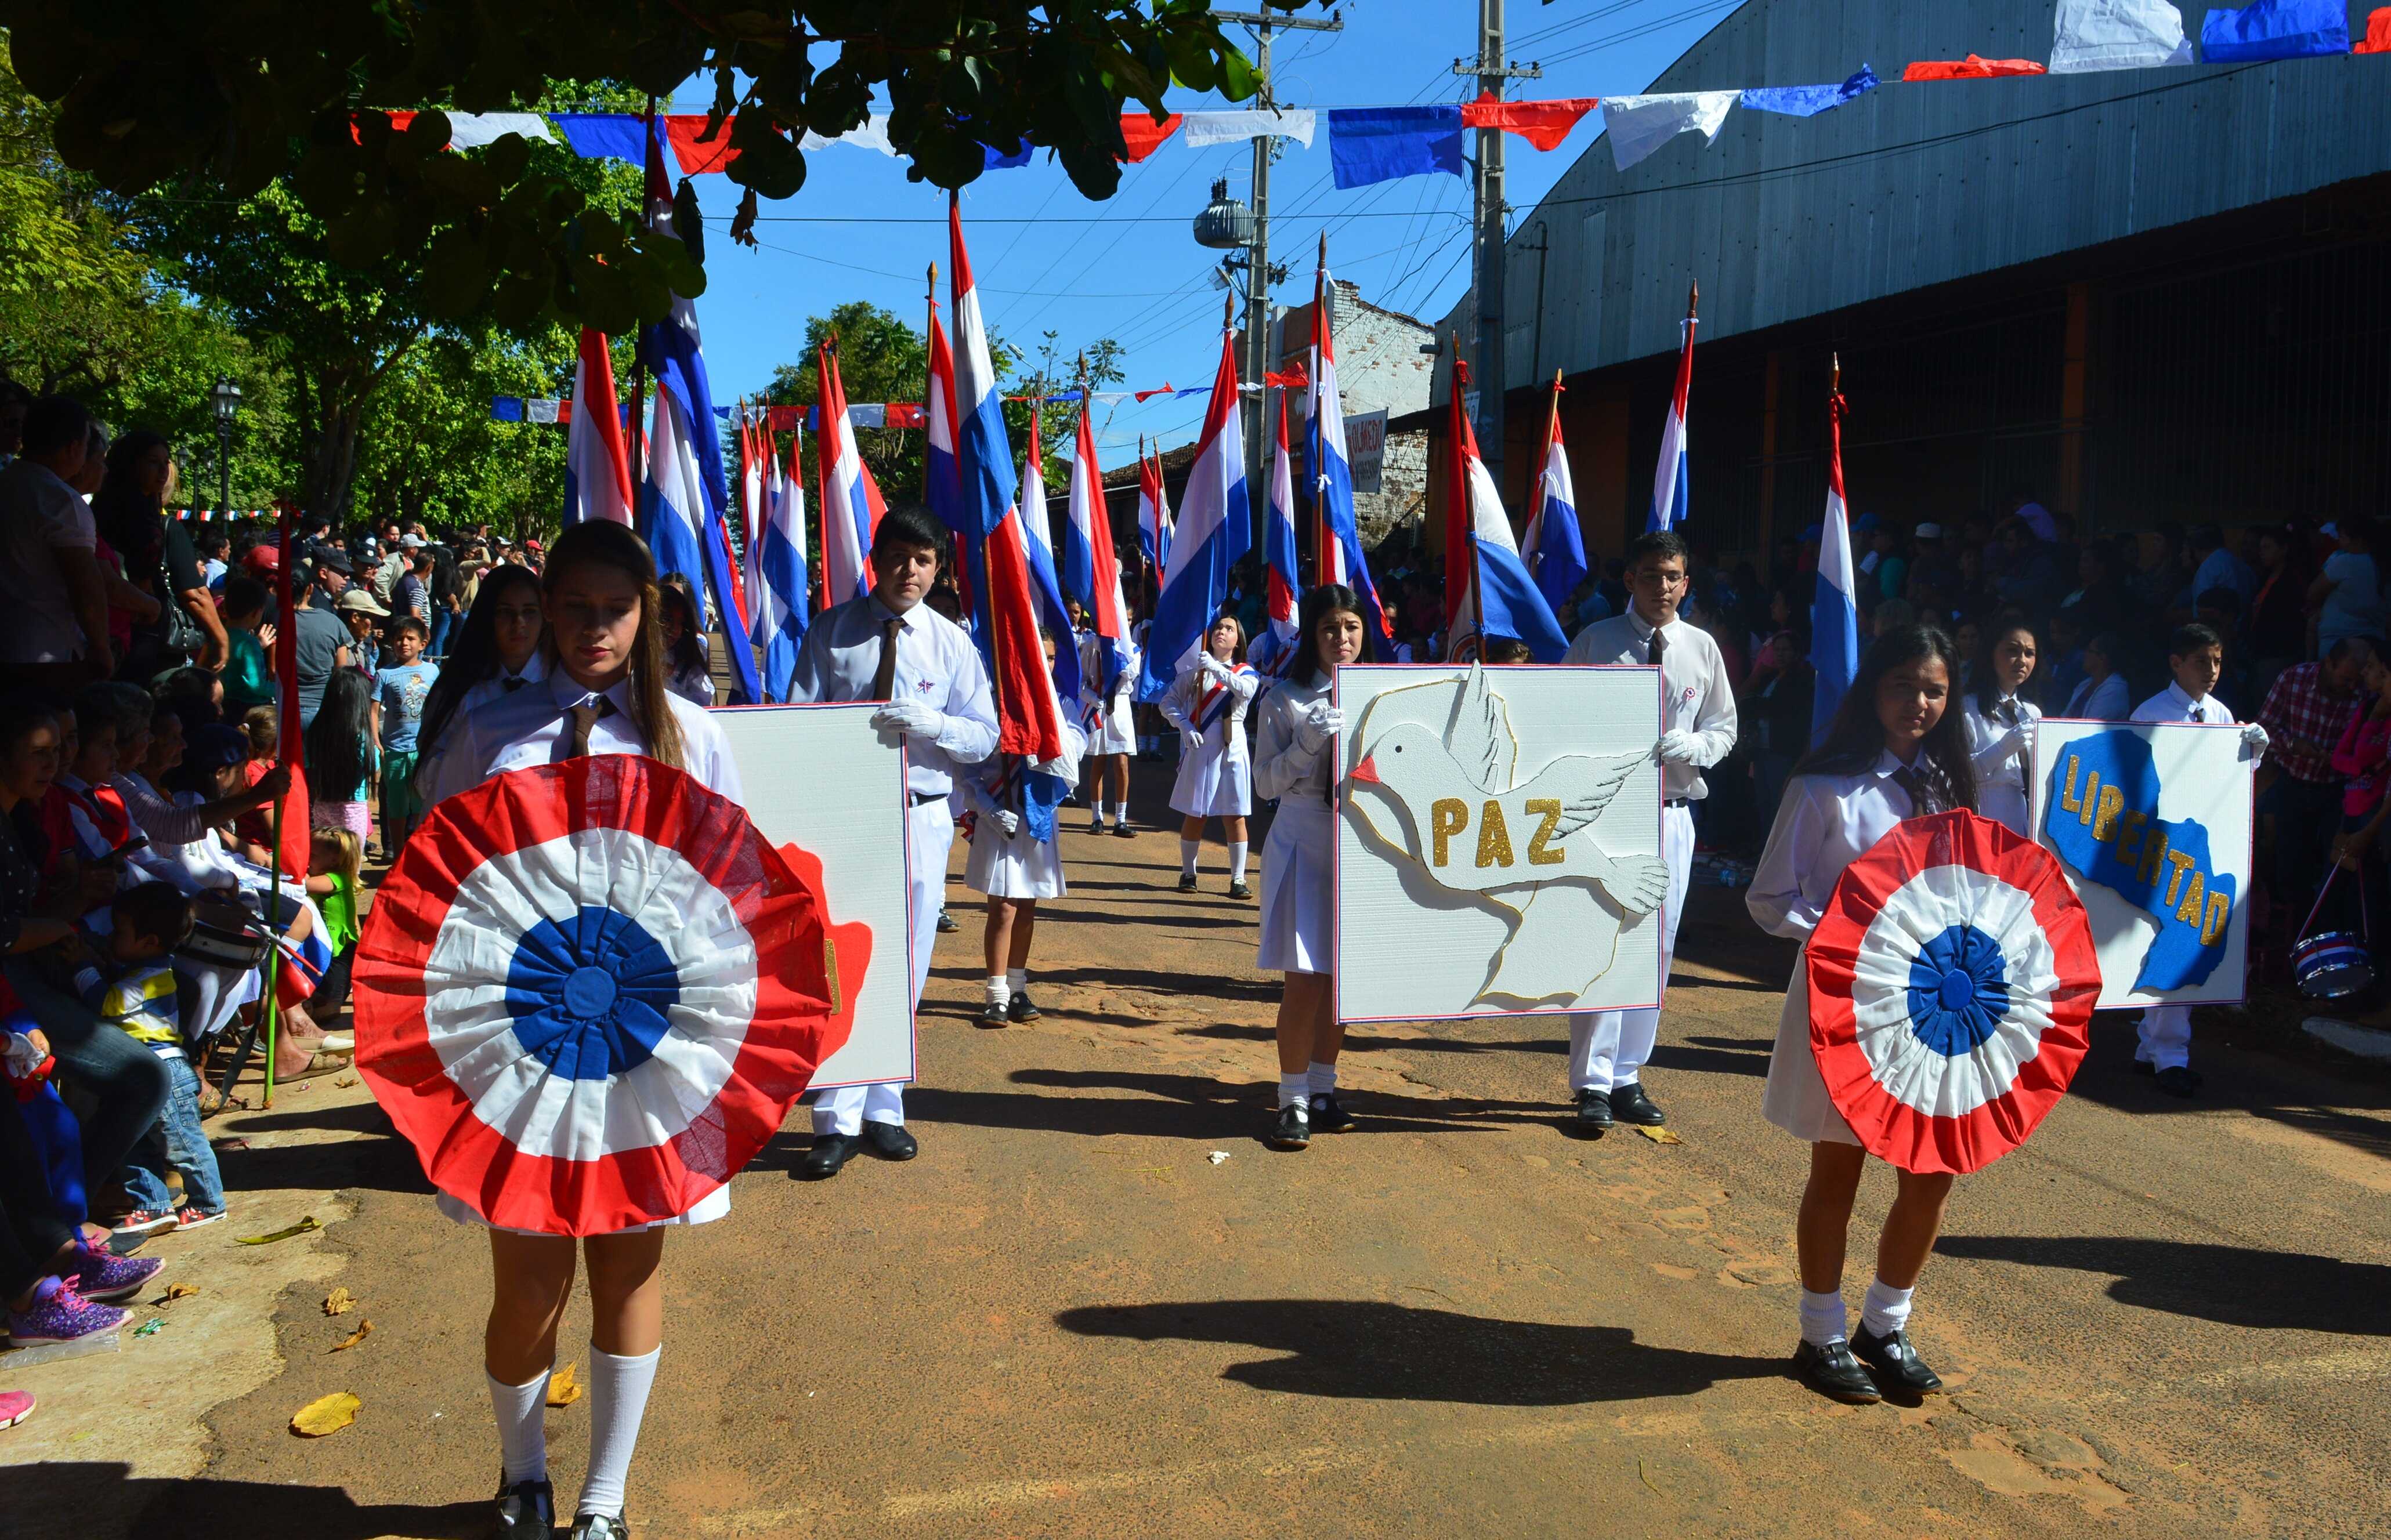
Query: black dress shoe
[1023,1008]
[993,1014]
[1629,1104]
[1328,1116]
[2181,1080]
[1593,1112]
[1239,889]
[830,1152]
[1833,1372]
[1293,1129]
[1122,831]
[526,1509]
[946,926]
[889,1142]
[1186,884]
[1896,1364]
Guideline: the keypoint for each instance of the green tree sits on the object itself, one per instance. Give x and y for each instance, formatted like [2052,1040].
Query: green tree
[236,97]
[430,450]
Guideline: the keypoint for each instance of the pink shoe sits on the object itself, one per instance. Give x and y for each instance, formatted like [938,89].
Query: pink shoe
[143,1222]
[15,1408]
[106,1277]
[192,1219]
[61,1315]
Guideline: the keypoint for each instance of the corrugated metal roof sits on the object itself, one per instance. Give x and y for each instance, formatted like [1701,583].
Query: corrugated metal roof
[1909,185]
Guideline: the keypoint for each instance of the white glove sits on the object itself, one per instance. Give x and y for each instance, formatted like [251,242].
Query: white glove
[1189,738]
[2014,742]
[1315,728]
[1211,665]
[1676,746]
[2254,738]
[1009,821]
[909,717]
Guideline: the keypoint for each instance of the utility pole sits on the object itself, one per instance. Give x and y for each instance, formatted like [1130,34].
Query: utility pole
[1259,276]
[1492,70]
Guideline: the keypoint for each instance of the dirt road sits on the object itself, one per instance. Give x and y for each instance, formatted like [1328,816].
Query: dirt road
[1068,1318]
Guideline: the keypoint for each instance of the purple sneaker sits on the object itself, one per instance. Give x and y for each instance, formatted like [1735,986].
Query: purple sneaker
[103,1276]
[60,1315]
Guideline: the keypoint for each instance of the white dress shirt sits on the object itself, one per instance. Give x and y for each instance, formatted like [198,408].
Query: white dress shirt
[1283,768]
[1824,824]
[1999,760]
[2105,701]
[2172,705]
[936,666]
[1699,697]
[532,726]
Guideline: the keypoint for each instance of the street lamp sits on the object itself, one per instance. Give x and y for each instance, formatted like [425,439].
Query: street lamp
[227,400]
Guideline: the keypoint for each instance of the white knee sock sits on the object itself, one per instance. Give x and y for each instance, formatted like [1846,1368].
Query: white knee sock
[523,1427]
[1295,1090]
[1321,1078]
[1885,1310]
[1823,1320]
[999,993]
[1017,980]
[1188,850]
[618,1399]
[1117,811]
[1236,860]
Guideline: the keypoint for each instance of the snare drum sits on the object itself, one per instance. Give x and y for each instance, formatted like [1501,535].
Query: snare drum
[2334,966]
[224,934]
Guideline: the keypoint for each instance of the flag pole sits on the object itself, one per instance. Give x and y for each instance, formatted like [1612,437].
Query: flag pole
[1461,489]
[929,384]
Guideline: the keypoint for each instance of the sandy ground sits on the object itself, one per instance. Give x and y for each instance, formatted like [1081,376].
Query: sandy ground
[2159,1319]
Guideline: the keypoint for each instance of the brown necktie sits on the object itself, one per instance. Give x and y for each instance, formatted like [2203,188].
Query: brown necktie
[1921,800]
[884,678]
[507,686]
[586,715]
[1655,647]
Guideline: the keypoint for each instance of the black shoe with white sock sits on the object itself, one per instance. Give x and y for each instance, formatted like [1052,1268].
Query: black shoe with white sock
[526,1509]
[601,1526]
[1328,1116]
[1895,1363]
[1833,1372]
[1293,1129]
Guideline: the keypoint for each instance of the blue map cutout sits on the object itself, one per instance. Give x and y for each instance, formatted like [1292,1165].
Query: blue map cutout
[2103,800]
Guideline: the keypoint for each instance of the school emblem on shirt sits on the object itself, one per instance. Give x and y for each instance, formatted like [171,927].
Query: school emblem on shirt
[2152,820]
[1532,803]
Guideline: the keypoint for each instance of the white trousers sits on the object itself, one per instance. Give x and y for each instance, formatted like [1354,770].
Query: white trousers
[1610,1048]
[930,836]
[2165,1037]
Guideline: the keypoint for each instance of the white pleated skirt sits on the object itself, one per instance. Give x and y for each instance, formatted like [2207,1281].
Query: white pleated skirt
[2006,805]
[1214,782]
[713,1206]
[1116,730]
[1298,918]
[1018,868]
[1796,1098]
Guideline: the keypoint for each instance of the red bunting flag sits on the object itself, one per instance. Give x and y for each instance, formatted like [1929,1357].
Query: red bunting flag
[1971,67]
[1543,124]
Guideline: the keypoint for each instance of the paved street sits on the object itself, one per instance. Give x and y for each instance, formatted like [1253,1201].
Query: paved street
[2162,1319]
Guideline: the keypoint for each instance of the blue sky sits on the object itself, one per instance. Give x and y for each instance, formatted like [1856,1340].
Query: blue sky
[1046,258]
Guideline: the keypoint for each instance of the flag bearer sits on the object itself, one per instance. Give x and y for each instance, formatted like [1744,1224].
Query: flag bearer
[1608,1049]
[889,646]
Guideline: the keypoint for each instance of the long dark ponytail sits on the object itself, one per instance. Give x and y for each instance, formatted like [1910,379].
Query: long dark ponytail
[1854,739]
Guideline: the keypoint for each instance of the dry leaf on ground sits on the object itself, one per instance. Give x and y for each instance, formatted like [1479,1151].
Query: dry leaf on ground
[326,1414]
[1659,1136]
[179,1291]
[561,1390]
[344,1082]
[339,1302]
[303,1227]
[354,1338]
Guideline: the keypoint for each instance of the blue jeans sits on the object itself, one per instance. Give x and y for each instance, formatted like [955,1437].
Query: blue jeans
[441,622]
[176,1140]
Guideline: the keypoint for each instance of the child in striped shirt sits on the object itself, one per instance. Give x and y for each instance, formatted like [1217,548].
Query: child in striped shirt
[131,985]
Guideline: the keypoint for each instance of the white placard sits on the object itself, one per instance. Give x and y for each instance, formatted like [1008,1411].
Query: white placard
[822,779]
[1499,852]
[2152,822]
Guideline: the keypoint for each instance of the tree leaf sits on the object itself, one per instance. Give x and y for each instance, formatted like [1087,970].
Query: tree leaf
[365,1329]
[339,1302]
[326,1414]
[303,1227]
[561,1390]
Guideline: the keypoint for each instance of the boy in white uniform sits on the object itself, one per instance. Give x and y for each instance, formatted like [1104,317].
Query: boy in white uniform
[890,646]
[1608,1049]
[2196,655]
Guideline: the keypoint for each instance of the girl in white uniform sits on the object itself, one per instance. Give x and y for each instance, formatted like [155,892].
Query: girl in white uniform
[1295,762]
[686,673]
[1111,722]
[1896,749]
[607,652]
[2000,725]
[1014,867]
[1208,704]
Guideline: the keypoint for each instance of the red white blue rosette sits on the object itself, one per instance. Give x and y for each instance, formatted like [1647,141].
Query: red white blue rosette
[588,993]
[1951,983]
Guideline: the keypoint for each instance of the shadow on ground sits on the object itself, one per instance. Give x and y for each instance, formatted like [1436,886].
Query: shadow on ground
[1375,1351]
[67,1498]
[2231,1285]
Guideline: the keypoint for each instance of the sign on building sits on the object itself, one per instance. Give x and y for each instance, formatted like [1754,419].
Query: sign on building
[1366,443]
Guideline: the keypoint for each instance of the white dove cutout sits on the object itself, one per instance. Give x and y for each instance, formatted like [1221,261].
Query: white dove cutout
[1454,810]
